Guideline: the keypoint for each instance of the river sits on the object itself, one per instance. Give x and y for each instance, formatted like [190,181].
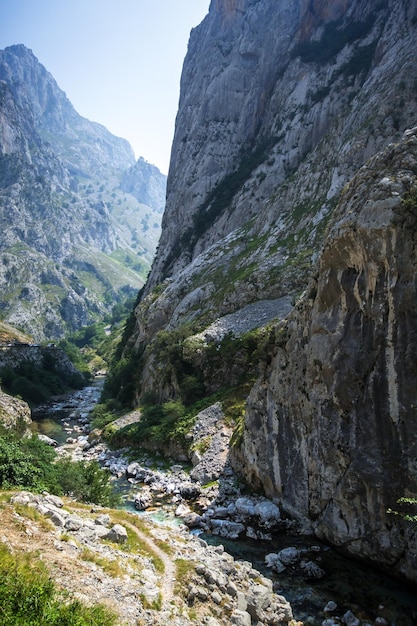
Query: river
[353,586]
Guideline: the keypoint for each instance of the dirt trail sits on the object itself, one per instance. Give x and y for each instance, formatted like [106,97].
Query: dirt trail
[168,577]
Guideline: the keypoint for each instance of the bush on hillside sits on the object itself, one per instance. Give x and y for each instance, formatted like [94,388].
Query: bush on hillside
[29,463]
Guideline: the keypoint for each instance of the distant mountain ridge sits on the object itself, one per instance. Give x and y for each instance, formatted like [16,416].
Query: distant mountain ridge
[77,233]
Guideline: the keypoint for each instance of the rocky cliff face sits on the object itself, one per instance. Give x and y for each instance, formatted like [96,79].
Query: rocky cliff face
[282,103]
[15,414]
[293,104]
[293,91]
[330,428]
[72,241]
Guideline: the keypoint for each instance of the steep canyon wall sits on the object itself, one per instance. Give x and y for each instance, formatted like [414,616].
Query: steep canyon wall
[282,104]
[330,428]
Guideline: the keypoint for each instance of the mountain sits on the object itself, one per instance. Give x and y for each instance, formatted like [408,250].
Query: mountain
[75,238]
[288,239]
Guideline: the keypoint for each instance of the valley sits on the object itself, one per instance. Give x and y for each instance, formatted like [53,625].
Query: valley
[157,491]
[252,315]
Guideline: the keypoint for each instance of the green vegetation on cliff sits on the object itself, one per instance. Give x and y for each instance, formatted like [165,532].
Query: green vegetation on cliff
[37,384]
[193,375]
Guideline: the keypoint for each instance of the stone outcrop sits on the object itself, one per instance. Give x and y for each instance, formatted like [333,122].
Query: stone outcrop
[38,356]
[209,444]
[330,427]
[15,414]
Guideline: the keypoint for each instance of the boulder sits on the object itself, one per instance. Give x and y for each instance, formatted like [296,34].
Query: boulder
[273,561]
[350,619]
[73,522]
[143,500]
[54,500]
[182,510]
[48,440]
[245,507]
[55,517]
[117,533]
[103,520]
[268,513]
[312,570]
[330,607]
[189,491]
[240,618]
[289,556]
[192,520]
[133,469]
[258,600]
[24,497]
[226,528]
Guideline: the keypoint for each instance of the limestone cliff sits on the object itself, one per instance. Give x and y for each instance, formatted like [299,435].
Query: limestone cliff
[274,93]
[282,104]
[330,427]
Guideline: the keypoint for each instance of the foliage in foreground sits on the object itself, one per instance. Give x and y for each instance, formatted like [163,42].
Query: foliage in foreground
[29,463]
[28,597]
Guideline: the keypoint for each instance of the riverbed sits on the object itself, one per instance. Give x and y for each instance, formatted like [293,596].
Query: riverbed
[368,594]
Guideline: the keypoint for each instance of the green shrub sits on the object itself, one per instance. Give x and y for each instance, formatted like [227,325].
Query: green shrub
[86,481]
[122,380]
[31,464]
[37,384]
[28,597]
[25,463]
[104,413]
[406,508]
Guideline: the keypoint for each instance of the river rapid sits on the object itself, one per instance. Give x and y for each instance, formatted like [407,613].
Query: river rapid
[364,596]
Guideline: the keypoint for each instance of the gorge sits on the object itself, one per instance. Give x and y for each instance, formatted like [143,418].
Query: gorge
[274,336]
[292,177]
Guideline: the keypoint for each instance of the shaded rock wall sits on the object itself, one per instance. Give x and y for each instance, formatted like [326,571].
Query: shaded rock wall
[282,103]
[331,426]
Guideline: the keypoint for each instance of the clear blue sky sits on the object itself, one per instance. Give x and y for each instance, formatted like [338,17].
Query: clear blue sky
[118,61]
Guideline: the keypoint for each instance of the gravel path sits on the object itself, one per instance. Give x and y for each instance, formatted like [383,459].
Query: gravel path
[168,579]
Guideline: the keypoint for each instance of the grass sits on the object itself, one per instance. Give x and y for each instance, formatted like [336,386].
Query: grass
[34,515]
[184,571]
[135,544]
[164,546]
[155,605]
[28,597]
[109,566]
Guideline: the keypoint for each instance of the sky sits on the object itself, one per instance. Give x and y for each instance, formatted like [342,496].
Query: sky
[118,61]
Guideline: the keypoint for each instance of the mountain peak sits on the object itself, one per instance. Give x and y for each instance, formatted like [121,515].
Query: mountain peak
[73,242]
